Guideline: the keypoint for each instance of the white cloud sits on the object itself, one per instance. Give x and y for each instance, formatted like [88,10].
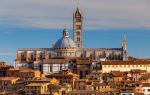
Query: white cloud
[57,13]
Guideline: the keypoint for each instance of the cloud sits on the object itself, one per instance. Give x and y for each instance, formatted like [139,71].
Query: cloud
[57,13]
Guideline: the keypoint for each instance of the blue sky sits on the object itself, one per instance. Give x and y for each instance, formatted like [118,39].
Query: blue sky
[39,23]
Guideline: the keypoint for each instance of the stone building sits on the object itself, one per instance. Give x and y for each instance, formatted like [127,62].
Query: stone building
[59,55]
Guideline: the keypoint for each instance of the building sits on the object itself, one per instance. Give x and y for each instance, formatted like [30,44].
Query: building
[9,84]
[23,73]
[124,66]
[37,89]
[81,88]
[146,88]
[13,72]
[50,59]
[81,67]
[3,68]
[53,86]
[63,79]
[145,78]
[41,80]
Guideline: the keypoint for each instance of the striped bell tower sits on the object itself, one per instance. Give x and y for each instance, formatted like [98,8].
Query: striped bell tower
[78,28]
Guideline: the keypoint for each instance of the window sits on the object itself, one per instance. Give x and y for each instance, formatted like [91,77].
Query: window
[22,56]
[78,45]
[78,26]
[78,33]
[32,56]
[41,55]
[78,39]
[78,19]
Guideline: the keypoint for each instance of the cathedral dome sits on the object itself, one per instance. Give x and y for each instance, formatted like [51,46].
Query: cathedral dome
[65,42]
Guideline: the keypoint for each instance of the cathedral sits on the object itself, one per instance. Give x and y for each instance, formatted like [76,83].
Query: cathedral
[59,55]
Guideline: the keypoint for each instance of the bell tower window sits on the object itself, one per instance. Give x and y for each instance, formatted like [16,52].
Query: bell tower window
[78,19]
[78,26]
[78,39]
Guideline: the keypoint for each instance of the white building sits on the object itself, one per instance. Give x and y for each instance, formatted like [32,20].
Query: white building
[146,88]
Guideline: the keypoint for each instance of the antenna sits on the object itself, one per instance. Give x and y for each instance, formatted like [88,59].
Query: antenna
[77,2]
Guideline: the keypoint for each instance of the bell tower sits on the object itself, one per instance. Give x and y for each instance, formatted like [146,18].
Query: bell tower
[78,28]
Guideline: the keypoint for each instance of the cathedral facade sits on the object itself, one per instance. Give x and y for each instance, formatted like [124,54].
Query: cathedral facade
[59,55]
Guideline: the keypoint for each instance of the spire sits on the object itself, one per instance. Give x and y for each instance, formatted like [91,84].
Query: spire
[78,13]
[124,46]
[65,32]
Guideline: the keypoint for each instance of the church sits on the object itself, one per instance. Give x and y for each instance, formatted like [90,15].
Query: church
[65,49]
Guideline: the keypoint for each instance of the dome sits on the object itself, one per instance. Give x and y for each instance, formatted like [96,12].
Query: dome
[65,41]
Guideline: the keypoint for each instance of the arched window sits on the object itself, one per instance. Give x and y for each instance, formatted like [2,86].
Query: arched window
[78,39]
[32,56]
[78,19]
[41,55]
[23,56]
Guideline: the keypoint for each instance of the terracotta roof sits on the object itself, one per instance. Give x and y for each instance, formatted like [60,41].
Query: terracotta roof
[146,85]
[13,69]
[39,79]
[86,61]
[107,74]
[102,84]
[136,93]
[137,71]
[117,74]
[9,78]
[37,84]
[2,63]
[145,76]
[28,70]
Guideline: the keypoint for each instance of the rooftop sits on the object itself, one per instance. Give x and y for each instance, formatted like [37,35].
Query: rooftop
[9,78]
[146,84]
[37,84]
